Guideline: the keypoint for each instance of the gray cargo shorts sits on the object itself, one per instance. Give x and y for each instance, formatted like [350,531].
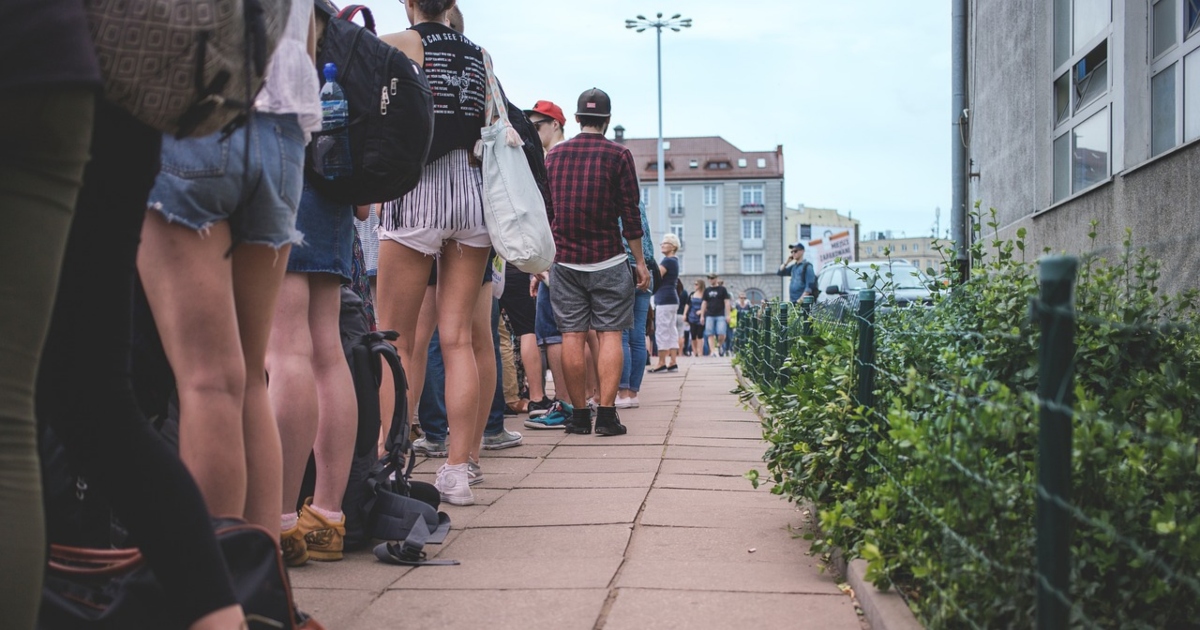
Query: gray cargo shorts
[592,300]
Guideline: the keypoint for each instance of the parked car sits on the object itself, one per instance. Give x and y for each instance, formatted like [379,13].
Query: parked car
[896,284]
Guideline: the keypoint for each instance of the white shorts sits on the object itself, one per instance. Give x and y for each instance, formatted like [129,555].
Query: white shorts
[446,205]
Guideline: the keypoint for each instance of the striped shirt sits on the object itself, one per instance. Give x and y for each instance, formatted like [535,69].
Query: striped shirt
[593,182]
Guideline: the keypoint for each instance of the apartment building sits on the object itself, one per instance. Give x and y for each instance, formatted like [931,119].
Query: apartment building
[919,251]
[724,204]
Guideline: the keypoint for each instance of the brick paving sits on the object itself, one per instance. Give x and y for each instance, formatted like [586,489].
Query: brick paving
[655,529]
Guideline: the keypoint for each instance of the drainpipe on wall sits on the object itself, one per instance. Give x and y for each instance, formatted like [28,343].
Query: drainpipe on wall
[958,127]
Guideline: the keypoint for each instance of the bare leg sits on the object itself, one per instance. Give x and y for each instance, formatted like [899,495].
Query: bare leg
[414,371]
[337,424]
[258,272]
[485,362]
[610,359]
[293,387]
[402,279]
[573,367]
[459,271]
[188,283]
[535,374]
[593,371]
[554,357]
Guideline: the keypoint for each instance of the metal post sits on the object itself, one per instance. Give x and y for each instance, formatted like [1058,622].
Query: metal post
[782,342]
[958,133]
[806,305]
[1056,353]
[662,167]
[866,348]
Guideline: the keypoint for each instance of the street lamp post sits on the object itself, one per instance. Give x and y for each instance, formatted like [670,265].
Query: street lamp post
[675,23]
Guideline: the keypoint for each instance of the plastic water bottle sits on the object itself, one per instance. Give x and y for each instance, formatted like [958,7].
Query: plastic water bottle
[333,146]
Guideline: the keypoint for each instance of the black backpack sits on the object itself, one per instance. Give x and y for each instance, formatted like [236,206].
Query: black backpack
[391,111]
[382,501]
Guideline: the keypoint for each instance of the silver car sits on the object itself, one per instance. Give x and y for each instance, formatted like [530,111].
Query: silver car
[897,285]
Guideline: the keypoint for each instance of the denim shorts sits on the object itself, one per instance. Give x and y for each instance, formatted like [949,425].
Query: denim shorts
[544,325]
[207,180]
[716,326]
[329,233]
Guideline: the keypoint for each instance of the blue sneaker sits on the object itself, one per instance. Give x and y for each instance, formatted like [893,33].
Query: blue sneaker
[555,418]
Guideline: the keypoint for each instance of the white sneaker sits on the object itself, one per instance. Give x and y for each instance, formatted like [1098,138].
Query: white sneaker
[627,403]
[453,484]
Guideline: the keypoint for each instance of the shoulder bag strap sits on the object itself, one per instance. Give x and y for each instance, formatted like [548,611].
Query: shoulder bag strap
[494,106]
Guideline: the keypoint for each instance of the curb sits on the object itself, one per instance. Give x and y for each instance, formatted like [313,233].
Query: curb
[882,610]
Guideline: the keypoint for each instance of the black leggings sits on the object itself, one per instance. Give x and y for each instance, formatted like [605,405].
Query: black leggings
[84,387]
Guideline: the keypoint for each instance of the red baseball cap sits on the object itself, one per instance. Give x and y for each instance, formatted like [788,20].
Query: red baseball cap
[548,109]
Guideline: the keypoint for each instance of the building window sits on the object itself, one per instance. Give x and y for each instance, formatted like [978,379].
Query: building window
[677,230]
[752,233]
[762,163]
[710,195]
[753,195]
[710,263]
[675,203]
[1083,92]
[645,196]
[752,263]
[805,233]
[710,229]
[1175,74]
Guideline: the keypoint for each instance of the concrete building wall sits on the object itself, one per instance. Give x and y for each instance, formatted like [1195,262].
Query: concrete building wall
[1011,144]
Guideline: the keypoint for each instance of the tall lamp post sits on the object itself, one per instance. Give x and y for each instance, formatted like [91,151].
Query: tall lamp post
[675,23]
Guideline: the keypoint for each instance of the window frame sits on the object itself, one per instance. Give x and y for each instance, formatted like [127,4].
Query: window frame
[716,195]
[1110,102]
[1174,59]
[750,188]
[750,270]
[715,266]
[673,193]
[716,229]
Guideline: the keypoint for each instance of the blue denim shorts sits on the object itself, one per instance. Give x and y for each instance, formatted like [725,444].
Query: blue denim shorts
[328,230]
[545,327]
[207,180]
[716,326]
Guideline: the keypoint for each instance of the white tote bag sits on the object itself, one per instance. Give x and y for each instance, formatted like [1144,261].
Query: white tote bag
[513,208]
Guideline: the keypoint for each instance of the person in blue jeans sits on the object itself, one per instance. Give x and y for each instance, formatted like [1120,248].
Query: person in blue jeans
[633,339]
[714,312]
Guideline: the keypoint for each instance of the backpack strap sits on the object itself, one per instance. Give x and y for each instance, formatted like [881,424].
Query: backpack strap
[351,10]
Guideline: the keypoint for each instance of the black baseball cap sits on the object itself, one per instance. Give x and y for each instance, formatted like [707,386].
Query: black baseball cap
[594,102]
[796,246]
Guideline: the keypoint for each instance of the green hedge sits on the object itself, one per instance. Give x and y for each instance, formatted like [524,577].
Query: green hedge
[935,487]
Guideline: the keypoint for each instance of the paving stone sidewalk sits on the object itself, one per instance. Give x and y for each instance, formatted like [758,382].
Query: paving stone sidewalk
[655,529]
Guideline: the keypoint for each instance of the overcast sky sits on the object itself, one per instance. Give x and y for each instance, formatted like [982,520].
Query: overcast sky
[858,93]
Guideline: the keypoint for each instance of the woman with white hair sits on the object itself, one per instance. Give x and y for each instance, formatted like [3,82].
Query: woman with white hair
[666,334]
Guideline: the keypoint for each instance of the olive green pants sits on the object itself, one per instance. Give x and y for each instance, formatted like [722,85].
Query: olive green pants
[44,138]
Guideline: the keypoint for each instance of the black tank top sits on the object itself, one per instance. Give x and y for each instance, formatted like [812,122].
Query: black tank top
[454,66]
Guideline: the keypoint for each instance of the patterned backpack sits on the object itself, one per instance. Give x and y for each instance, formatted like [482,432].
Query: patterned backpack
[186,67]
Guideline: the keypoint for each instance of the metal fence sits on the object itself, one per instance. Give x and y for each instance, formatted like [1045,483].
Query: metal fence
[766,343]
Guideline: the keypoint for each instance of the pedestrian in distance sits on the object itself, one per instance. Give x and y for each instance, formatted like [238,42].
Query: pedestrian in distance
[666,303]
[714,311]
[803,278]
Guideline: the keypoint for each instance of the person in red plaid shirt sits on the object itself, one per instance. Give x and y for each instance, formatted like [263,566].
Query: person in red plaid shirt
[593,182]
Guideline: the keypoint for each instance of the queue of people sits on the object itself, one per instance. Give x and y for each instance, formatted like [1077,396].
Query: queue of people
[242,264]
